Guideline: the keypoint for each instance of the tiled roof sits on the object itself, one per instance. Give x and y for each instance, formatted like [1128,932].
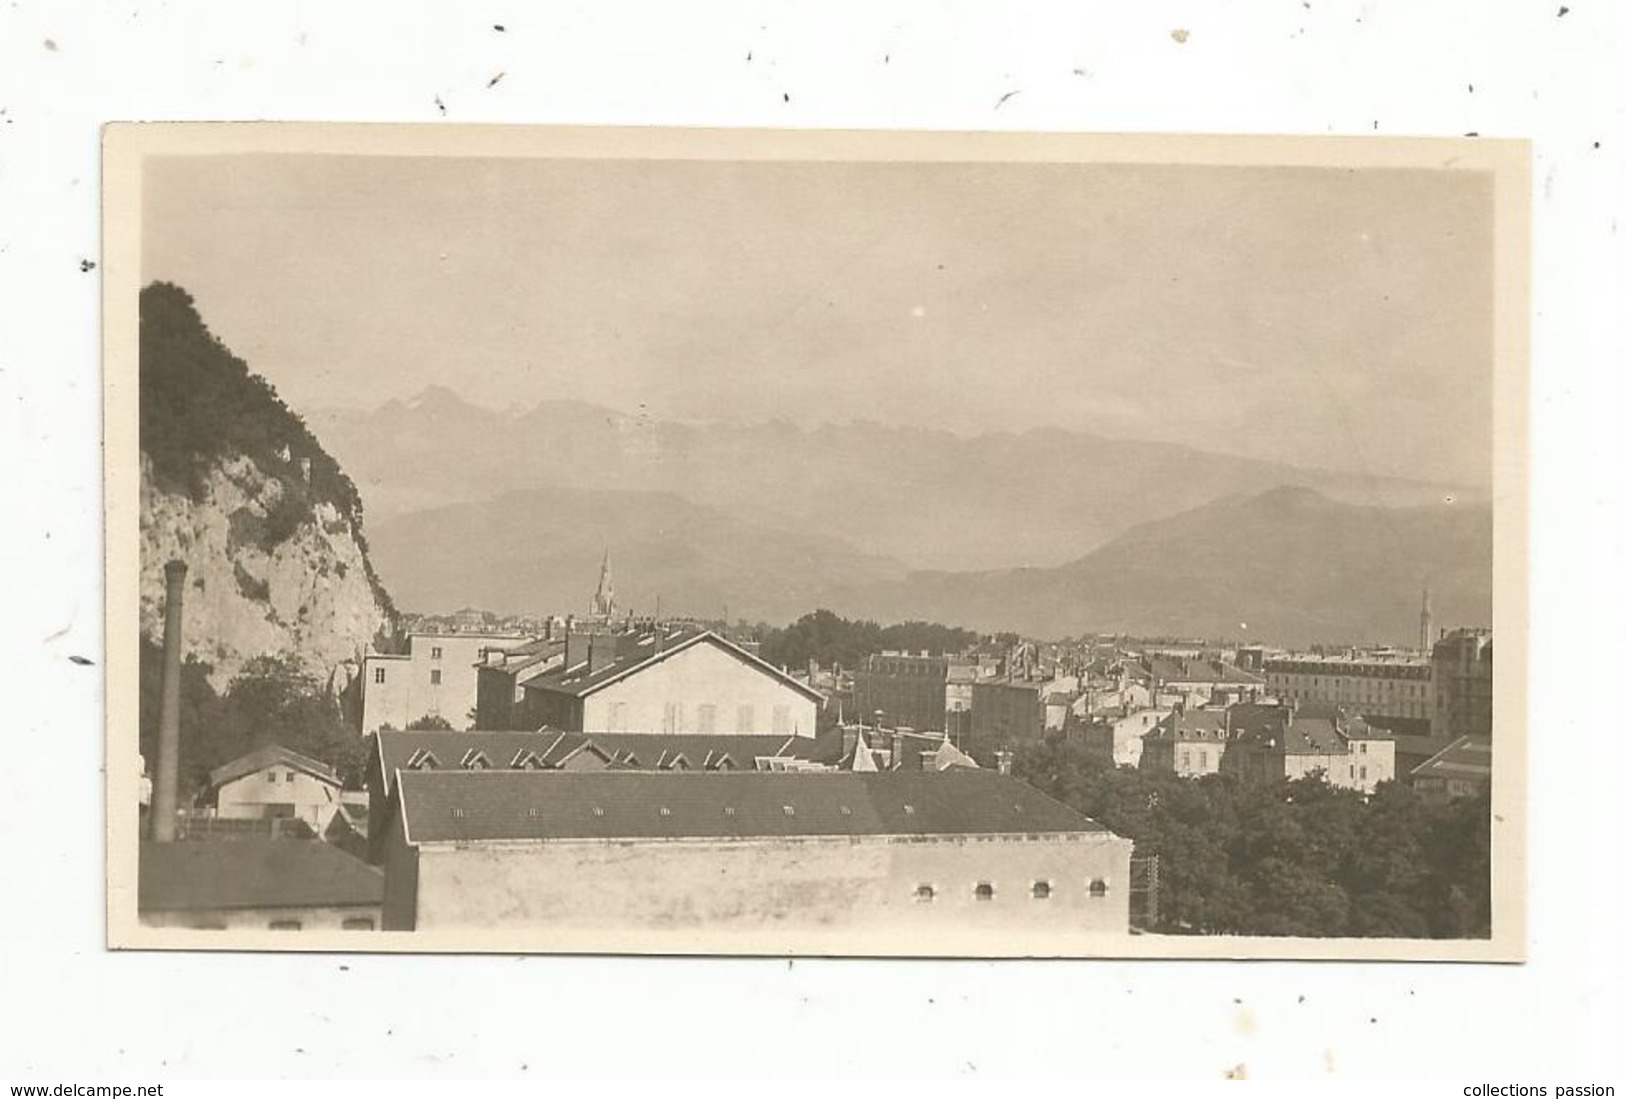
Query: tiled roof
[1465,758]
[637,651]
[1313,736]
[1171,670]
[455,806]
[705,750]
[254,872]
[1257,720]
[272,755]
[512,751]
[540,646]
[513,666]
[1191,725]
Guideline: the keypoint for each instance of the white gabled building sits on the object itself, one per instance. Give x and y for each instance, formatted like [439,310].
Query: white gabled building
[667,681]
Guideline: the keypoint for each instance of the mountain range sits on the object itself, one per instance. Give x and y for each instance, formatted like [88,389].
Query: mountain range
[925,499]
[1288,566]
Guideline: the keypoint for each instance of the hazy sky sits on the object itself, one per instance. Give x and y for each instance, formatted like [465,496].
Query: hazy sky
[1324,317]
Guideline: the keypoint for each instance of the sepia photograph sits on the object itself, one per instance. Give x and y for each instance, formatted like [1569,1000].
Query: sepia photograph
[666,541]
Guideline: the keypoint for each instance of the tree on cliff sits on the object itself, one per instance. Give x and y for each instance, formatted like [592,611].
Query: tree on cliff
[200,404]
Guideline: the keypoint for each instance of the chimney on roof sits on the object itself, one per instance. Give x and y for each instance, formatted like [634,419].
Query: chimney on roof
[1005,759]
[166,783]
[601,652]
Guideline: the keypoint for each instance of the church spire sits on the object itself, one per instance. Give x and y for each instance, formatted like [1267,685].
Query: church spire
[603,603]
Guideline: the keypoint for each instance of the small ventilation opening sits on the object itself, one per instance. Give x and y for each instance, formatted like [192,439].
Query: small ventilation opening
[984,891]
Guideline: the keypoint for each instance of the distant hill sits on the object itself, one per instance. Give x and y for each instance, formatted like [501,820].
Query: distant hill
[539,551]
[1287,566]
[930,499]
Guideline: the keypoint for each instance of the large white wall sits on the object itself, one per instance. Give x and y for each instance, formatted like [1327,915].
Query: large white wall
[743,698]
[867,884]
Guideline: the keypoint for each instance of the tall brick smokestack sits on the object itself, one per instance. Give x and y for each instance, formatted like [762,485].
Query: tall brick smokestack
[166,781]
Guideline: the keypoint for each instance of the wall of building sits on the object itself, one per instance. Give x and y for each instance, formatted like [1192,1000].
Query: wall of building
[701,686]
[1124,737]
[1464,679]
[437,678]
[278,790]
[1371,762]
[867,883]
[911,691]
[1198,757]
[1378,689]
[386,692]
[496,696]
[1333,766]
[1006,713]
[400,862]
[261,919]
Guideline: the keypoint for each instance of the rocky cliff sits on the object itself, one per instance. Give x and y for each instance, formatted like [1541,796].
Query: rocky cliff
[308,594]
[235,485]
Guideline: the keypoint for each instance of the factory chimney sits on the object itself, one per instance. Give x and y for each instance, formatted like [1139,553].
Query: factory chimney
[166,781]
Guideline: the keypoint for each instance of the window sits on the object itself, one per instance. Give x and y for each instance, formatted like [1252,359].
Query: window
[286,925]
[1362,772]
[706,720]
[925,892]
[359,923]
[434,653]
[378,675]
[1201,759]
[1184,759]
[1041,890]
[270,776]
[984,890]
[1362,747]
[288,777]
[1097,888]
[434,678]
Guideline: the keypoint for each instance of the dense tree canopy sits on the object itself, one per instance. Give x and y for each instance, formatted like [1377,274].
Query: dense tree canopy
[1289,858]
[830,639]
[273,701]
